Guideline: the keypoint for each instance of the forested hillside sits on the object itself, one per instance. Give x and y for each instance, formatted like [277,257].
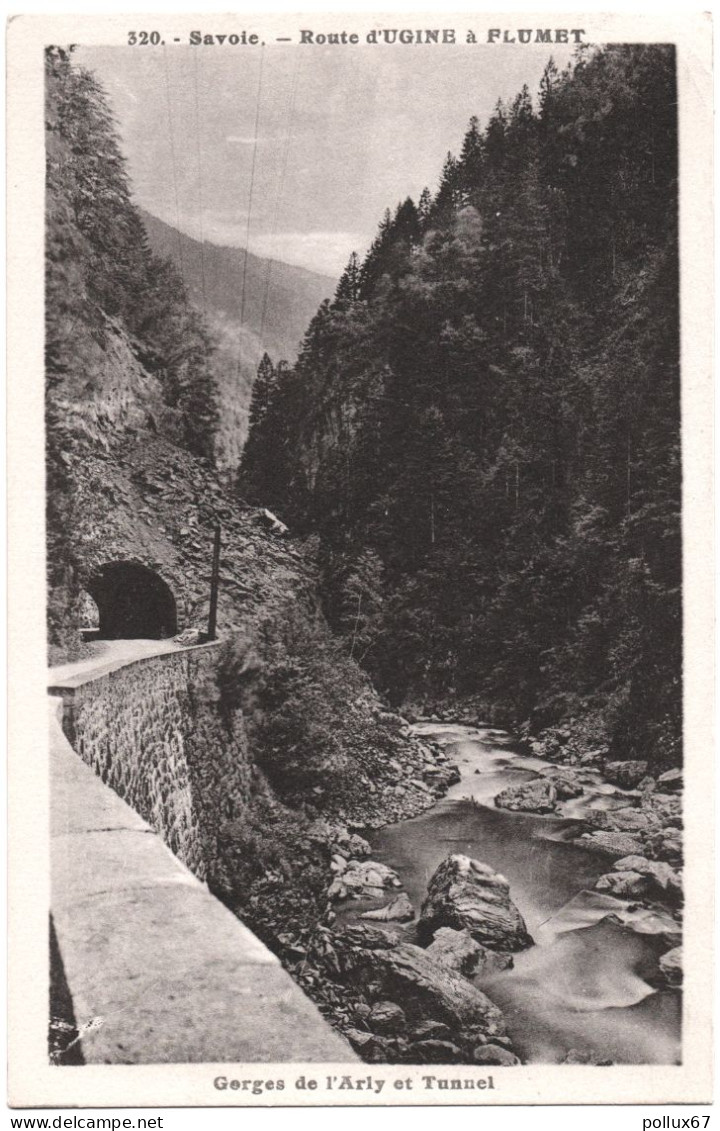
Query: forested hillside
[264,305]
[482,428]
[100,266]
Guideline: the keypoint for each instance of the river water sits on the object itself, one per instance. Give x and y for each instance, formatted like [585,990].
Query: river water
[581,990]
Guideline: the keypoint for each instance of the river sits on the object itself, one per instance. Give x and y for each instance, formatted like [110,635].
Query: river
[581,990]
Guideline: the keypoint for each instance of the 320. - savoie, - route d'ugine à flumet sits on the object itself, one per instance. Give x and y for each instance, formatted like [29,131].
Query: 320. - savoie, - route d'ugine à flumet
[389,36]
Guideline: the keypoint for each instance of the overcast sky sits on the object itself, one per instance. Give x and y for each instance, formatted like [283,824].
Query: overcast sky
[365,127]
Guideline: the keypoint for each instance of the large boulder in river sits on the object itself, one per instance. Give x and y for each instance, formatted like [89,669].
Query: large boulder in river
[663,878]
[425,989]
[458,951]
[389,971]
[531,797]
[611,843]
[626,820]
[671,780]
[464,893]
[625,774]
[624,885]
[366,880]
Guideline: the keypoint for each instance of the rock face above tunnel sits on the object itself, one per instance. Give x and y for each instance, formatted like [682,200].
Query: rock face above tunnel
[148,506]
[466,894]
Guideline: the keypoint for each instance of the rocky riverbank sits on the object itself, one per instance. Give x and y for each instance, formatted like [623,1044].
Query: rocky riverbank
[343,927]
[638,828]
[399,987]
[413,779]
[408,994]
[642,818]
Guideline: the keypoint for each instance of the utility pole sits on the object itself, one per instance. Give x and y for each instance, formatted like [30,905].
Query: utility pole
[214,585]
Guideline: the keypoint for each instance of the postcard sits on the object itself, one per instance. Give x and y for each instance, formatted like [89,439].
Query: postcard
[360,539]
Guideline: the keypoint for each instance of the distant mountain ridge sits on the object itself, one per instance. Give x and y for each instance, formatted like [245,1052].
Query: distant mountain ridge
[293,293]
[280,300]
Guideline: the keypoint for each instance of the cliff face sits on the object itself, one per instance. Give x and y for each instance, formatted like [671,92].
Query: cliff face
[134,495]
[279,683]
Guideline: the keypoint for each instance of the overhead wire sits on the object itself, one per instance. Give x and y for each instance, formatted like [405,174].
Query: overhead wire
[283,170]
[198,147]
[174,166]
[287,134]
[252,184]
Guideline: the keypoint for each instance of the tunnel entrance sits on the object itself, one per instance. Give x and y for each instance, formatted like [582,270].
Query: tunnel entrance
[133,603]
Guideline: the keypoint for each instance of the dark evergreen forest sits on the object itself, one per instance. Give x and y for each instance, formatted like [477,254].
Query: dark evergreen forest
[481,433]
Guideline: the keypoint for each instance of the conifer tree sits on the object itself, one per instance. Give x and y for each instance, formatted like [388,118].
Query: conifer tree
[424,208]
[262,390]
[348,289]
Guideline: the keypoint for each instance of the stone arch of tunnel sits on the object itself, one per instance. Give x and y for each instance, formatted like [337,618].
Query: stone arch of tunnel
[133,602]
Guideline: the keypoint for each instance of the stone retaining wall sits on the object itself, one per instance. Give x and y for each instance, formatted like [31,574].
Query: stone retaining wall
[156,969]
[153,732]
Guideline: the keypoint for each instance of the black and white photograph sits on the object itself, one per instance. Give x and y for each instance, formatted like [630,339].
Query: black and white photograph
[361,480]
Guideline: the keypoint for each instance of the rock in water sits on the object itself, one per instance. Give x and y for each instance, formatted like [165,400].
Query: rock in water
[671,968]
[624,885]
[189,637]
[626,820]
[404,974]
[399,910]
[366,880]
[665,844]
[625,774]
[662,876]
[567,787]
[530,797]
[494,1054]
[464,893]
[458,951]
[671,779]
[271,522]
